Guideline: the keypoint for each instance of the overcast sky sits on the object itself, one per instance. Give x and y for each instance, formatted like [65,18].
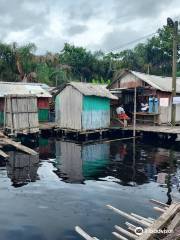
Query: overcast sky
[94,24]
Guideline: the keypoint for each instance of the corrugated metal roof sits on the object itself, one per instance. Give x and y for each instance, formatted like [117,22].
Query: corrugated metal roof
[90,89]
[7,88]
[158,82]
[162,83]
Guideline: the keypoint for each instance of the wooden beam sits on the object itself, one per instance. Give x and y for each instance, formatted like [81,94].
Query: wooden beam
[127,233]
[131,227]
[83,234]
[161,222]
[119,236]
[159,203]
[142,218]
[161,210]
[175,222]
[128,216]
[19,146]
[3,154]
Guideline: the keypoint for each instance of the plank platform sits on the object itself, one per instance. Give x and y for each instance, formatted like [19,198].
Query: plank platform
[47,125]
[155,129]
[146,228]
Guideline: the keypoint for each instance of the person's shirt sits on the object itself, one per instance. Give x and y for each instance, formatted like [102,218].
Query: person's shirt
[120,110]
[144,107]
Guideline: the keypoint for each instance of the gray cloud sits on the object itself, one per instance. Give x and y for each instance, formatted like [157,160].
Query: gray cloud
[50,23]
[76,29]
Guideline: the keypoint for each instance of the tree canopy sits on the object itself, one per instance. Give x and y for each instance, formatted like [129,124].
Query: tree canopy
[79,64]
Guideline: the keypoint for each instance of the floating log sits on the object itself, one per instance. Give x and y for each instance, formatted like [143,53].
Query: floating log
[3,154]
[83,234]
[119,236]
[143,223]
[127,233]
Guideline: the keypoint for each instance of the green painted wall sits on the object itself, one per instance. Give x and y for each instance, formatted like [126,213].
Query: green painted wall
[95,103]
[43,115]
[96,113]
[1,118]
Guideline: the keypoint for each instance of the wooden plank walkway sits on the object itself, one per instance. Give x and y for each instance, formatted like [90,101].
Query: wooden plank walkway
[156,129]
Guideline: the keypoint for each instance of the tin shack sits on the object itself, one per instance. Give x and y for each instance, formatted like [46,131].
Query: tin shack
[155,91]
[83,106]
[19,88]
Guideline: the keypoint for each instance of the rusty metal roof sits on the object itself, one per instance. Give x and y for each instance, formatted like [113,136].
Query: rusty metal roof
[161,83]
[20,88]
[158,82]
[90,89]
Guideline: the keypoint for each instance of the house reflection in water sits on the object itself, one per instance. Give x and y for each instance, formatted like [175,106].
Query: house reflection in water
[69,162]
[76,163]
[22,168]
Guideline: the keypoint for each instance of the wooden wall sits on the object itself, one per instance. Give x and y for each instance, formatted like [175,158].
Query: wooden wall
[96,113]
[69,108]
[127,81]
[21,114]
[165,112]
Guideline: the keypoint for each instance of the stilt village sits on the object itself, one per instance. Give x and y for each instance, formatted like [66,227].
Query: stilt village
[115,142]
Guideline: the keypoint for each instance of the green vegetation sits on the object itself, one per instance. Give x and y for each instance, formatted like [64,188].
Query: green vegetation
[79,64]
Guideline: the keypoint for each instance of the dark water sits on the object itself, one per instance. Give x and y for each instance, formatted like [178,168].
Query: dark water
[44,197]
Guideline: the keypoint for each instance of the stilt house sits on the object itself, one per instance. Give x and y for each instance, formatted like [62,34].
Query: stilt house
[19,88]
[156,91]
[83,106]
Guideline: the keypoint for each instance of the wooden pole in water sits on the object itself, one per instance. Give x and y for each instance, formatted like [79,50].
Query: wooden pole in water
[134,119]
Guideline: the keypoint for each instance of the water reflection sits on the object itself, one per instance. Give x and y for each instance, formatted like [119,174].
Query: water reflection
[22,168]
[128,164]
